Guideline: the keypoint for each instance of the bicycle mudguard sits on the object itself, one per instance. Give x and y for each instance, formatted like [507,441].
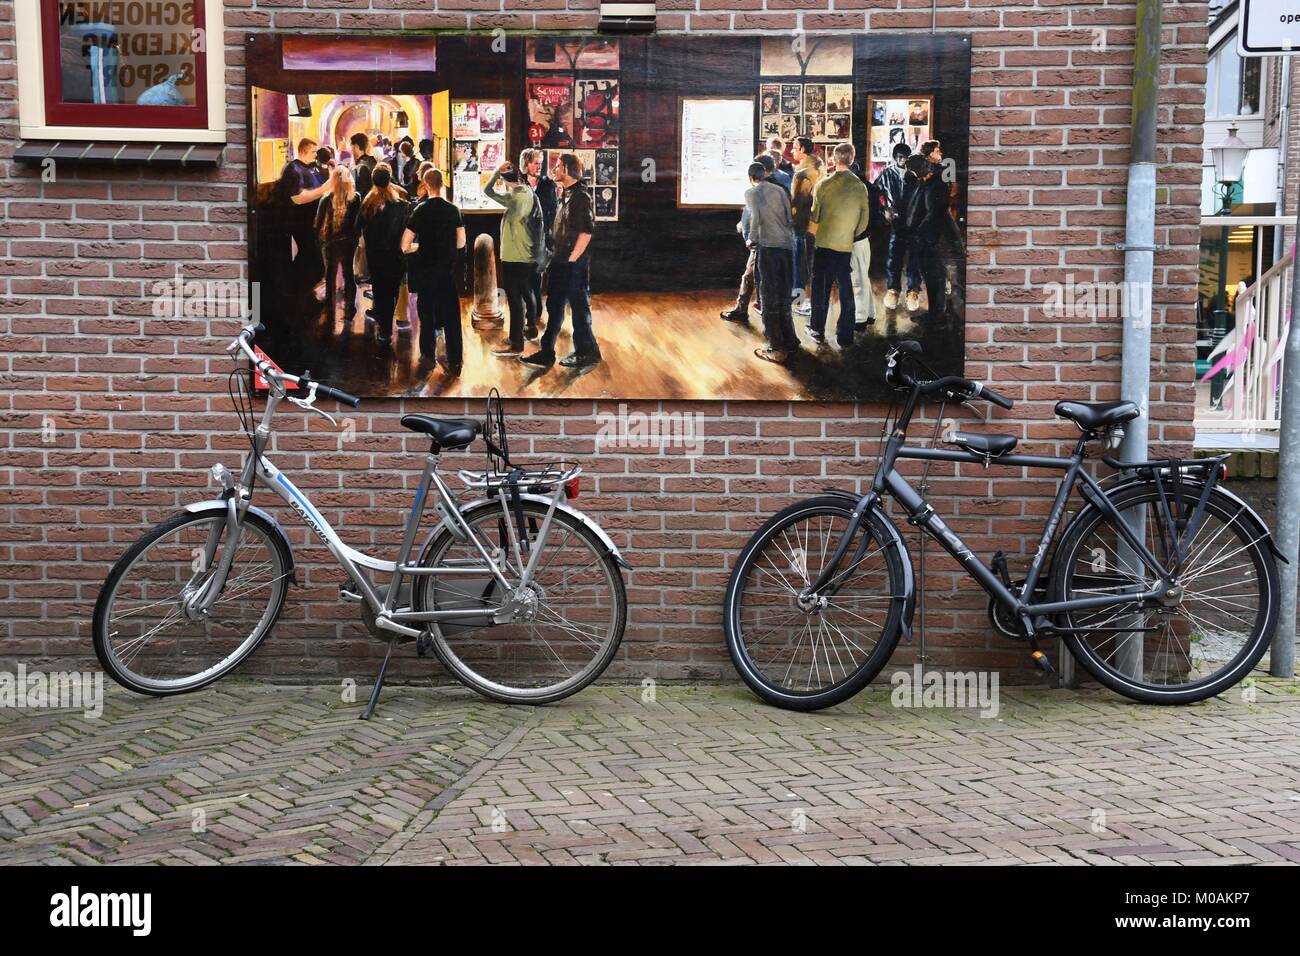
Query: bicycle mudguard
[1193,482]
[590,525]
[219,505]
[896,542]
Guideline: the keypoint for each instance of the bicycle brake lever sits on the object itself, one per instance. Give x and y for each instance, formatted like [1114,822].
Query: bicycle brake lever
[308,404]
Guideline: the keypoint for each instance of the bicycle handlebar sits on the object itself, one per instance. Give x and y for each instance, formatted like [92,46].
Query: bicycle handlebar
[954,385]
[337,394]
[243,342]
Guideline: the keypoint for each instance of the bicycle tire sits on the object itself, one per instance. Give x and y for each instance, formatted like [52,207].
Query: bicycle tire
[454,660]
[1224,508]
[101,635]
[741,656]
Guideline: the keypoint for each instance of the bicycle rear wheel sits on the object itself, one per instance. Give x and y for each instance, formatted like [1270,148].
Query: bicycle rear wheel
[809,658]
[1211,637]
[569,621]
[142,634]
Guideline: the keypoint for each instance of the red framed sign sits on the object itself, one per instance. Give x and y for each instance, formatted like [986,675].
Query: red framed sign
[125,63]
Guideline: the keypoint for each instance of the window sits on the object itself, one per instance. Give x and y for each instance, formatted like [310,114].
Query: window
[1232,84]
[135,70]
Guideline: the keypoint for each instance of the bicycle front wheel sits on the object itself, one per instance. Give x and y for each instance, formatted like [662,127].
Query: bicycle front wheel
[566,623]
[143,635]
[1217,624]
[813,655]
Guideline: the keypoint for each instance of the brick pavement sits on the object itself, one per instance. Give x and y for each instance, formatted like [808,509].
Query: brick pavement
[244,773]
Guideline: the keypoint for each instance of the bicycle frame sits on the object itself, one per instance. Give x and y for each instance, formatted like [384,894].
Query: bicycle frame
[383,601]
[919,512]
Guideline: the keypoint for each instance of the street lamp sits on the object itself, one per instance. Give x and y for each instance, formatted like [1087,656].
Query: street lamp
[1229,160]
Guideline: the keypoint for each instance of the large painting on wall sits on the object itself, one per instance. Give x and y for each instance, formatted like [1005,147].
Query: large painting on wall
[713,217]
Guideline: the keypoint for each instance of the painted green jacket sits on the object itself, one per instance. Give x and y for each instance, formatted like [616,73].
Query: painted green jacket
[841,208]
[515,243]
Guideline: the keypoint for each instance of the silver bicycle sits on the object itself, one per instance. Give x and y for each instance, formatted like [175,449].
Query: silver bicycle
[517,593]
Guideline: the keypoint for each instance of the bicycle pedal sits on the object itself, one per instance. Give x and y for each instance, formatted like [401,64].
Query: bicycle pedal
[1043,663]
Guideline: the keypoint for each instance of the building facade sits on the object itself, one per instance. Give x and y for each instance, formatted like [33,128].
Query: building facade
[112,415]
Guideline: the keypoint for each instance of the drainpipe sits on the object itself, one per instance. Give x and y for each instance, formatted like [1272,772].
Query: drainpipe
[1139,262]
[1282,653]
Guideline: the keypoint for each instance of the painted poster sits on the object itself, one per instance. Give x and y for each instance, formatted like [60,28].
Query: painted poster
[491,120]
[550,111]
[464,121]
[791,98]
[839,97]
[670,310]
[491,154]
[478,148]
[465,156]
[606,173]
[595,112]
[606,203]
[899,126]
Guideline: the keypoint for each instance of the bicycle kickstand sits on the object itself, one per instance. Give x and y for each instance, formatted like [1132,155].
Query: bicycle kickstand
[379,681]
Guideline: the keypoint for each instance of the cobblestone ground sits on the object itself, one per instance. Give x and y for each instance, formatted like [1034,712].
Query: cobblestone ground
[246,773]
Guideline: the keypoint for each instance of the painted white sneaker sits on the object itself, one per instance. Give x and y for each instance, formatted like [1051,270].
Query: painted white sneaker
[913,300]
[891,299]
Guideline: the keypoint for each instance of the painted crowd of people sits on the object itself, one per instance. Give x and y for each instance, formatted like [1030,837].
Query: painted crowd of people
[808,224]
[384,219]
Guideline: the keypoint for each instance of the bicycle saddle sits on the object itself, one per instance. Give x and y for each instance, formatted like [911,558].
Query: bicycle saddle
[445,432]
[1091,416]
[990,446]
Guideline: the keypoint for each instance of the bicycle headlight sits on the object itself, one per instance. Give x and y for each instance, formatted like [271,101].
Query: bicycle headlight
[221,475]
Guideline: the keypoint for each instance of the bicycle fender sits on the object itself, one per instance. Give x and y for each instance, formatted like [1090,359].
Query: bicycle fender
[219,505]
[590,525]
[897,544]
[1246,509]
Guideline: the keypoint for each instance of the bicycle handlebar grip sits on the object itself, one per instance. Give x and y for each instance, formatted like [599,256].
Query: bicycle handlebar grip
[338,395]
[995,398]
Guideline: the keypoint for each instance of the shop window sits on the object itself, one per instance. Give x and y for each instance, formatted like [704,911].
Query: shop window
[128,70]
[1232,84]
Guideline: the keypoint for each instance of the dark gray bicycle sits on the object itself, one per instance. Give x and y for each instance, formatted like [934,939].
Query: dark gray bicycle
[1164,585]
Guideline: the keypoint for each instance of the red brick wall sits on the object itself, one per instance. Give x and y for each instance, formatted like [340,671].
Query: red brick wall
[140,411]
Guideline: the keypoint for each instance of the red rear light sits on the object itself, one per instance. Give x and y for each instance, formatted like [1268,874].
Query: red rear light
[572,487]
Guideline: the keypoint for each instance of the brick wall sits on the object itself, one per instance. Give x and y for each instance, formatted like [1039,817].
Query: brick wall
[138,406]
